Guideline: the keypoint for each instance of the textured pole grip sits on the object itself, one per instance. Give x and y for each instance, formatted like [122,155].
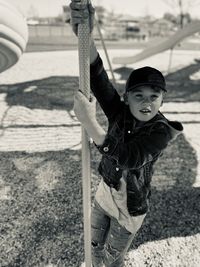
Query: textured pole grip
[84,86]
[84,56]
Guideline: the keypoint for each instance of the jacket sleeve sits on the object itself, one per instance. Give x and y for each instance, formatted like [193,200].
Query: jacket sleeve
[139,151]
[103,89]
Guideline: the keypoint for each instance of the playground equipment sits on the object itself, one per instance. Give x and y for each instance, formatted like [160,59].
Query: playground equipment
[169,43]
[13,35]
[84,86]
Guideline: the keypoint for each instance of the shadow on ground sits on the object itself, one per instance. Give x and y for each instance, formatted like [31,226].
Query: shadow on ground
[57,92]
[41,204]
[41,209]
[49,93]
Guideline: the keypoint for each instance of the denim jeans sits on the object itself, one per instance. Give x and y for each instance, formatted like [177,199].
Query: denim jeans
[110,240]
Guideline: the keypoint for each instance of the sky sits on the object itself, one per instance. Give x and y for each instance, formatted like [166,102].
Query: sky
[136,8]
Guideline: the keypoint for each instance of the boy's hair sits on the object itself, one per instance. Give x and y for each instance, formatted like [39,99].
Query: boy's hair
[146,76]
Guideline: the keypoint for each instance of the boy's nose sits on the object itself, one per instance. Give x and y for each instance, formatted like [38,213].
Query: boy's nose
[147,101]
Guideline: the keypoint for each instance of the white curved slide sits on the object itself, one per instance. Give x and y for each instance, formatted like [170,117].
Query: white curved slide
[13,35]
[169,43]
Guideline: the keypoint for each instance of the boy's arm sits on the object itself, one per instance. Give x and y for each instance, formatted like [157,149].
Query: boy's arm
[139,151]
[85,112]
[93,51]
[95,131]
[101,86]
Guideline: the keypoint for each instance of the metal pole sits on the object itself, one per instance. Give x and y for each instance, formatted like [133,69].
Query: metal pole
[84,86]
[170,60]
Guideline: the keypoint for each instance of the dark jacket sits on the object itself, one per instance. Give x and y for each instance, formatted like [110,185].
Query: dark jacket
[128,146]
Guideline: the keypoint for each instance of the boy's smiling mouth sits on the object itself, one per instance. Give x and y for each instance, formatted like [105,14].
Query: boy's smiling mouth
[145,111]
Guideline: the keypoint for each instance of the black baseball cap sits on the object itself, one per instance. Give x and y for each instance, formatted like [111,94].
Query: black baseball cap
[145,76]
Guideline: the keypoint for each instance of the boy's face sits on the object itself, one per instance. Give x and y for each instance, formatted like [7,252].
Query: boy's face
[144,102]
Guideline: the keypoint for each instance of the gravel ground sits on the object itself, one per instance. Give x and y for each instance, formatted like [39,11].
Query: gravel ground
[40,180]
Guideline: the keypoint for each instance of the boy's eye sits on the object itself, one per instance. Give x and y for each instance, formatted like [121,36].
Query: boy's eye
[154,97]
[138,96]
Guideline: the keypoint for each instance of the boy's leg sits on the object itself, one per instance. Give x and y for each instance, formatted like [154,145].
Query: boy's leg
[118,243]
[100,224]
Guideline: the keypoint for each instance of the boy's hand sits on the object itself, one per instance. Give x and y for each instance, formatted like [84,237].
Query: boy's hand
[84,109]
[80,13]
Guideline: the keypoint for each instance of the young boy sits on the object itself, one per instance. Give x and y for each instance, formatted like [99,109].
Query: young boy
[136,136]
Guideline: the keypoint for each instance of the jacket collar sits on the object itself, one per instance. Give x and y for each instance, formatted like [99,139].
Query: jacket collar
[131,122]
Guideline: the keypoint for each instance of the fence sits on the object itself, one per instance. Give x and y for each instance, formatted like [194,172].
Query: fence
[50,30]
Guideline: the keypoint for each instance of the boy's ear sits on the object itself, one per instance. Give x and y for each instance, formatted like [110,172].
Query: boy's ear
[125,96]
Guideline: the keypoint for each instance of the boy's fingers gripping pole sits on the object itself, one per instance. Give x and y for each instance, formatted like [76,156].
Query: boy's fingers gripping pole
[84,84]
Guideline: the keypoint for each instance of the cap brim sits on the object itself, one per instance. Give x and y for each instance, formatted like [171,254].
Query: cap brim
[143,84]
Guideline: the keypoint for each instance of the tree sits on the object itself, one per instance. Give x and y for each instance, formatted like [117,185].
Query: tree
[170,17]
[178,20]
[183,7]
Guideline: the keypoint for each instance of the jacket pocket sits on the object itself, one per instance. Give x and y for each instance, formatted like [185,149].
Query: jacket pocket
[136,205]
[138,192]
[110,172]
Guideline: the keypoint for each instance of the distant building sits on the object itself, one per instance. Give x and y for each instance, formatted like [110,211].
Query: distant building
[116,26]
[161,27]
[133,28]
[110,26]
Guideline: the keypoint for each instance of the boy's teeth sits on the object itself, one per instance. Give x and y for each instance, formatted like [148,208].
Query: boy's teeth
[145,110]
